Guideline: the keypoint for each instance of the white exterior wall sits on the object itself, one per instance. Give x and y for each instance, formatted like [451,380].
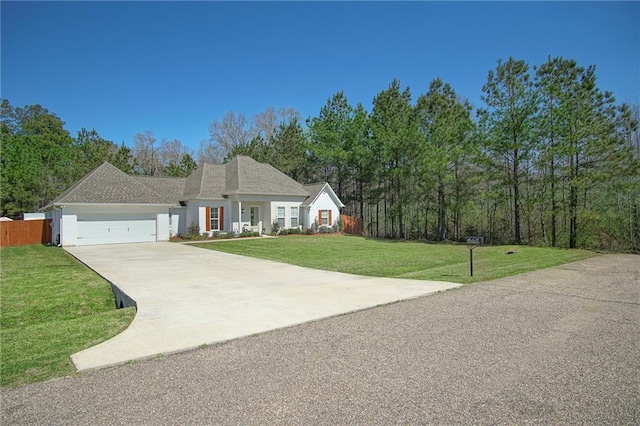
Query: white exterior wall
[68,229]
[33,216]
[198,210]
[287,213]
[178,222]
[323,202]
[267,218]
[162,226]
[192,214]
[304,218]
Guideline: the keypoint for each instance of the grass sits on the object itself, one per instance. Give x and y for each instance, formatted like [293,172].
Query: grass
[401,259]
[51,307]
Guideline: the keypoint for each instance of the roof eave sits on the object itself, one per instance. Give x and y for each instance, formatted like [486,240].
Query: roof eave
[63,204]
[205,198]
[333,195]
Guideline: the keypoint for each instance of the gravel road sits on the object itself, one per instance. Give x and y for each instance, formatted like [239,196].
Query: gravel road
[558,346]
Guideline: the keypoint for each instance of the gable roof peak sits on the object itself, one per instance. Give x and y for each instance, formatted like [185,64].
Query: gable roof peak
[315,189]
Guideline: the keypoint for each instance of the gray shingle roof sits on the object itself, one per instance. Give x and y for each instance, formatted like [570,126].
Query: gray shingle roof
[109,185]
[242,175]
[314,190]
[246,176]
[207,181]
[170,188]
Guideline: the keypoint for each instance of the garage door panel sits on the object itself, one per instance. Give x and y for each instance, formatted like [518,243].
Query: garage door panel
[131,230]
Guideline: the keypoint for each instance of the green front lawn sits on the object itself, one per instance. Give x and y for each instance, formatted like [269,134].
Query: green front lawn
[401,259]
[51,307]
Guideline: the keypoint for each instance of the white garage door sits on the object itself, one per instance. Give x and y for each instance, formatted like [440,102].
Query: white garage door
[114,230]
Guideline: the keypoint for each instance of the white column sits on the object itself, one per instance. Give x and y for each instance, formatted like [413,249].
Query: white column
[239,216]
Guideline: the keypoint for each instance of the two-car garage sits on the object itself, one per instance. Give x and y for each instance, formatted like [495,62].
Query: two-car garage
[115,228]
[90,225]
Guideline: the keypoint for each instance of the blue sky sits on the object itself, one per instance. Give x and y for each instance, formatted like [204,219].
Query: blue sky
[173,67]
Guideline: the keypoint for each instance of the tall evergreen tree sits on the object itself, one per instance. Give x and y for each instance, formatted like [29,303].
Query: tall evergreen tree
[360,161]
[396,139]
[446,124]
[510,107]
[289,150]
[329,142]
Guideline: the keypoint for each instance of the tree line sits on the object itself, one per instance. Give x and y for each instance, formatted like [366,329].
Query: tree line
[39,158]
[547,159]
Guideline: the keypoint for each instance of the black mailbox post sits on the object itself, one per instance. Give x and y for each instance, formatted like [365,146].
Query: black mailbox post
[473,242]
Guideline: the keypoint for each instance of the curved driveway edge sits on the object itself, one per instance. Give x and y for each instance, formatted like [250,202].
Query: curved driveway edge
[188,297]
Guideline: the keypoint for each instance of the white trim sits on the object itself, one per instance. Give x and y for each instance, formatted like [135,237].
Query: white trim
[331,193]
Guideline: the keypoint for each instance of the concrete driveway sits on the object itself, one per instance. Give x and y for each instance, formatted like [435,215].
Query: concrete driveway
[558,346]
[188,297]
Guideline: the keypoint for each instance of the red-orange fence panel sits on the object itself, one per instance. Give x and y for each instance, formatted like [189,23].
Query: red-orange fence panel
[352,225]
[25,232]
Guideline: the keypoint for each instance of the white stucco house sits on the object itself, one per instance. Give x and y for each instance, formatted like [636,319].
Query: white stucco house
[108,206]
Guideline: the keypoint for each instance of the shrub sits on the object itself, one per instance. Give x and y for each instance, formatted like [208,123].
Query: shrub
[294,231]
[284,232]
[248,233]
[193,230]
[227,235]
[310,231]
[325,229]
[275,227]
[215,234]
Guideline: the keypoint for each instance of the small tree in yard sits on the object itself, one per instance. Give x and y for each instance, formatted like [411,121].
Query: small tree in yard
[275,227]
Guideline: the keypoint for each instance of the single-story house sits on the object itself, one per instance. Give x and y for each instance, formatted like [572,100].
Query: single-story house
[108,206]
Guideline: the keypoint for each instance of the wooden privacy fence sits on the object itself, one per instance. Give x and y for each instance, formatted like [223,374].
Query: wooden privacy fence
[352,225]
[24,232]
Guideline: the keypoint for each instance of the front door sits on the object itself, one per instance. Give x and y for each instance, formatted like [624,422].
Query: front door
[255,216]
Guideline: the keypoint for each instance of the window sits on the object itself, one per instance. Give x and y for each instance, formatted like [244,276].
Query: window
[324,217]
[215,219]
[294,217]
[281,217]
